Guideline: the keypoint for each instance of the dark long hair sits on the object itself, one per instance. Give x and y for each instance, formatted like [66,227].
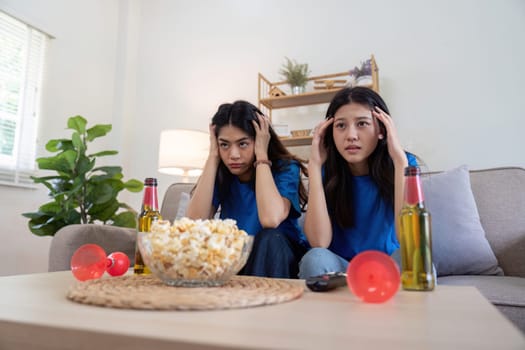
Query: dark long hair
[338,178]
[240,114]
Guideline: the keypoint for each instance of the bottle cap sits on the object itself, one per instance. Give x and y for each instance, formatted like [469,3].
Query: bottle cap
[150,181]
[412,170]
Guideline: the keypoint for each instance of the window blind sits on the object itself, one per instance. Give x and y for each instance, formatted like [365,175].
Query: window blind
[21,68]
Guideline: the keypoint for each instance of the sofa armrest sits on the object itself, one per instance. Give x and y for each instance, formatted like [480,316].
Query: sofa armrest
[174,202]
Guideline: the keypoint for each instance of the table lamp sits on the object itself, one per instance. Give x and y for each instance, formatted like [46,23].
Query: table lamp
[183,152]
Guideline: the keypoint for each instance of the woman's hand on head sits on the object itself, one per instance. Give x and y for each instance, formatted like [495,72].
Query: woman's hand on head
[394,146]
[214,144]
[318,153]
[262,136]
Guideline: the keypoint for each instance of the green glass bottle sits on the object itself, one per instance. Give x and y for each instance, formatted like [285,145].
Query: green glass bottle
[415,236]
[148,214]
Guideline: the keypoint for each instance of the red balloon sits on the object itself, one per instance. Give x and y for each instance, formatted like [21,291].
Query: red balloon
[373,276]
[117,264]
[88,262]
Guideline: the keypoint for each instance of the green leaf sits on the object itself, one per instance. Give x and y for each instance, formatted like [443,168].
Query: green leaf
[72,217]
[104,153]
[104,212]
[116,184]
[45,225]
[84,165]
[50,208]
[60,185]
[77,123]
[34,215]
[64,162]
[98,131]
[59,145]
[77,142]
[67,160]
[96,179]
[102,193]
[46,178]
[110,170]
[50,163]
[125,219]
[49,184]
[134,185]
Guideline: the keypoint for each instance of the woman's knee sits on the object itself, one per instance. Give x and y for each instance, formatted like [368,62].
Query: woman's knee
[316,254]
[273,255]
[270,237]
[318,261]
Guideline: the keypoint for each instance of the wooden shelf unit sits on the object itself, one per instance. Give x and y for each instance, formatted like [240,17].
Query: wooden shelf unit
[290,141]
[267,102]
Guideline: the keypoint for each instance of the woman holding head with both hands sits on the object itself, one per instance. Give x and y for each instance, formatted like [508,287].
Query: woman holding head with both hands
[356,180]
[257,182]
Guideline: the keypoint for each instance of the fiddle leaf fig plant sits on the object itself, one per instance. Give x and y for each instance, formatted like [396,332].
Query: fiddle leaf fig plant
[81,193]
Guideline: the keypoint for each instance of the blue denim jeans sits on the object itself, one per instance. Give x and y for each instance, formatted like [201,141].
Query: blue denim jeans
[274,254]
[318,261]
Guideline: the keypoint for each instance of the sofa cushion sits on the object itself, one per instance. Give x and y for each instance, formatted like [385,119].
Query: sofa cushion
[503,291]
[500,198]
[499,290]
[459,246]
[176,200]
[183,205]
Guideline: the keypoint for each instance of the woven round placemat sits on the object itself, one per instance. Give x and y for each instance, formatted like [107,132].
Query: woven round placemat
[150,293]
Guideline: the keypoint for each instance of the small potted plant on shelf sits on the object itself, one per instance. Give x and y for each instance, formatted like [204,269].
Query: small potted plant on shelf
[362,76]
[296,74]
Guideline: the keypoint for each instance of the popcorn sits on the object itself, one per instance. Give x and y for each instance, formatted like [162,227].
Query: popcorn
[194,249]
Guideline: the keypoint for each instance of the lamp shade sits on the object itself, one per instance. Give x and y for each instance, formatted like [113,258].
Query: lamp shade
[183,152]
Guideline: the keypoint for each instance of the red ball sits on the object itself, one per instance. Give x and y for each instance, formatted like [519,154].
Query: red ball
[117,264]
[373,276]
[88,262]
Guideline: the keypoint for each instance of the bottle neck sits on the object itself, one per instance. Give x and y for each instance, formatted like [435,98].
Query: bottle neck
[150,200]
[413,190]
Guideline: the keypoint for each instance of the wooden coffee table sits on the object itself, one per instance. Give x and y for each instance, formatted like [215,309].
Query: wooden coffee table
[34,314]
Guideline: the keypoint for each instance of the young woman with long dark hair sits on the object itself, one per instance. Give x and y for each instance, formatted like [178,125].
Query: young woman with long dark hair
[255,180]
[356,180]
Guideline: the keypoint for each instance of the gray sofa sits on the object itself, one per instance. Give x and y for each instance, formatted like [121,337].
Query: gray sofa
[486,250]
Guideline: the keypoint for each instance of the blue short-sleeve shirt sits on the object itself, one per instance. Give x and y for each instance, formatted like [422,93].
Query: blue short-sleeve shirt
[374,221]
[240,204]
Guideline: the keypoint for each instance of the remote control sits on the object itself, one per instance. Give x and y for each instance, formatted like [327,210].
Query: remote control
[327,281]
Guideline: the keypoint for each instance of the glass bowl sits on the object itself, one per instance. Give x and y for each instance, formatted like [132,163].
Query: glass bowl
[195,253]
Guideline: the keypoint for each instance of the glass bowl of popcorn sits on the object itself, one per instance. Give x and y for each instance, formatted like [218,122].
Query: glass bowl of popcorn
[195,253]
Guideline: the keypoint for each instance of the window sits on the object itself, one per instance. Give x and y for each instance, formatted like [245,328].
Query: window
[21,67]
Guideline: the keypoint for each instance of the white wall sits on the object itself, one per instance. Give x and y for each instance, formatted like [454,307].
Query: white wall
[451,72]
[80,79]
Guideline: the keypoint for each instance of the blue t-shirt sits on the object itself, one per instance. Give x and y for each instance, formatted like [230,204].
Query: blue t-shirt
[240,203]
[374,221]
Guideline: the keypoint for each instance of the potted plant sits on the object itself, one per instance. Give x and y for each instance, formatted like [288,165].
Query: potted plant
[81,193]
[362,75]
[296,74]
